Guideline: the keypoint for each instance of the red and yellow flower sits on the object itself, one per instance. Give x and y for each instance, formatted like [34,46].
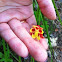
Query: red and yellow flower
[36,32]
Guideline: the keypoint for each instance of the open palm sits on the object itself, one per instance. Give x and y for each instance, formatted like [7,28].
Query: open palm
[16,19]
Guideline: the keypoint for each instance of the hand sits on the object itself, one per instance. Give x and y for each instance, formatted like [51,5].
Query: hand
[16,19]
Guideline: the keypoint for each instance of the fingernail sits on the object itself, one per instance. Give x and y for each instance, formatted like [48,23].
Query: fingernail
[26,57]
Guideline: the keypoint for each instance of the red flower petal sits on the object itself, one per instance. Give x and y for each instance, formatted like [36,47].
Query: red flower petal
[40,31]
[37,28]
[41,28]
[30,33]
[38,25]
[41,35]
[33,29]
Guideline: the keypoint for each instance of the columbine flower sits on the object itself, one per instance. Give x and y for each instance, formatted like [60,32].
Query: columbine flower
[36,32]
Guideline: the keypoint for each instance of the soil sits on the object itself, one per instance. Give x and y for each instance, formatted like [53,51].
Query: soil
[57,33]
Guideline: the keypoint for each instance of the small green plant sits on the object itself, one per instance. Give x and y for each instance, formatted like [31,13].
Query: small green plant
[5,56]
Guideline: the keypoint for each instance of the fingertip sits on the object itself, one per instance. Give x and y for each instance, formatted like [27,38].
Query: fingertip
[39,53]
[47,9]
[43,42]
[54,17]
[18,47]
[42,57]
[51,14]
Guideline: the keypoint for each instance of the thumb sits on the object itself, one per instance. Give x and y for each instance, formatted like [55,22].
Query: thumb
[47,8]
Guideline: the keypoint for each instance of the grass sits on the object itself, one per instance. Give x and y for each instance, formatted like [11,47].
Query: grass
[57,12]
[7,55]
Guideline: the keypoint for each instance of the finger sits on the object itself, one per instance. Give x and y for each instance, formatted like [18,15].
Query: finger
[26,26]
[31,21]
[14,42]
[43,43]
[34,47]
[47,8]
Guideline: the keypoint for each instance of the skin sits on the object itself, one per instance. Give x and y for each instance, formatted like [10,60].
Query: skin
[16,19]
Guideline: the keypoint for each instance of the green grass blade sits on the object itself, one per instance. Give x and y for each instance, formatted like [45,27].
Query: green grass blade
[19,59]
[31,59]
[8,51]
[4,49]
[14,56]
[57,11]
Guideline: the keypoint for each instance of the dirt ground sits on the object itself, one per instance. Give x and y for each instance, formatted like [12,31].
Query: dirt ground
[57,33]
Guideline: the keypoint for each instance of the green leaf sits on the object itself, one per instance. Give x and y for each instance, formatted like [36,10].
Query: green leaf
[10,60]
[1,54]
[1,60]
